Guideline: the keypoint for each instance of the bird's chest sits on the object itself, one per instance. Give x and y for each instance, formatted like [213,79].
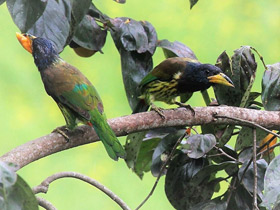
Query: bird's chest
[164,91]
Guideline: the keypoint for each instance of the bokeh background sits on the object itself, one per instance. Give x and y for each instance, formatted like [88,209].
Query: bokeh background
[26,112]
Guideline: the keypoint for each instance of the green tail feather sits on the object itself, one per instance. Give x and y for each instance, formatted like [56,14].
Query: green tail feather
[107,136]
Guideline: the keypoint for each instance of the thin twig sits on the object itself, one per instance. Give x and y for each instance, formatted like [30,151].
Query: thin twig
[260,56]
[249,123]
[270,148]
[43,187]
[232,188]
[255,189]
[225,154]
[45,204]
[161,170]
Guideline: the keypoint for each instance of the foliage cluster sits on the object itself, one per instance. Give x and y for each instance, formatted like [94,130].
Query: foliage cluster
[194,172]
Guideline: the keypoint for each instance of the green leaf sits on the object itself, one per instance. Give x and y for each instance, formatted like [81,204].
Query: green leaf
[210,169]
[59,21]
[15,194]
[270,88]
[89,35]
[53,24]
[79,9]
[193,2]
[144,159]
[248,180]
[245,137]
[164,148]
[136,43]
[226,135]
[132,147]
[179,189]
[272,184]
[176,49]
[26,12]
[2,1]
[198,145]
[239,199]
[120,1]
[241,68]
[215,204]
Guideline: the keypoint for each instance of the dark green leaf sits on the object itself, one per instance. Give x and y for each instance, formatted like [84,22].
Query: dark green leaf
[198,145]
[144,159]
[245,155]
[2,1]
[8,176]
[15,194]
[164,148]
[176,49]
[272,184]
[245,137]
[270,88]
[89,35]
[248,180]
[136,46]
[79,9]
[193,2]
[26,12]
[59,21]
[240,199]
[54,23]
[207,170]
[215,204]
[180,191]
[120,1]
[132,148]
[242,74]
[226,135]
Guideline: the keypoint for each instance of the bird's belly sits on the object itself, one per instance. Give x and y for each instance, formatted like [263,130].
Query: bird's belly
[162,91]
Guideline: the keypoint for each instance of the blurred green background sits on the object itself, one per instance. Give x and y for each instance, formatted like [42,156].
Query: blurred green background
[27,113]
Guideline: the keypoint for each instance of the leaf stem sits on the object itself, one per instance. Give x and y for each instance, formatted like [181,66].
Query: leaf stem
[255,189]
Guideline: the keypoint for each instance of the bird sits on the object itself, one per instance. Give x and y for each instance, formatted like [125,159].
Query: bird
[74,94]
[176,76]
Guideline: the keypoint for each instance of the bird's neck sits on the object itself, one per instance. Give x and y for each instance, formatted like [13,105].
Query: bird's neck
[44,61]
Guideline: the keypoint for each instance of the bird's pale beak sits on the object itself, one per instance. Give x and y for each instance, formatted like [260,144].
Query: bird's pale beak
[25,40]
[221,79]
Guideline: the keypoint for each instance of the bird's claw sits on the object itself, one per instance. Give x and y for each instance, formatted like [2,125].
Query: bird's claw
[187,106]
[158,110]
[61,132]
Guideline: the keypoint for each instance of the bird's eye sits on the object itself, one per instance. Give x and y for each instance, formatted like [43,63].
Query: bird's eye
[207,71]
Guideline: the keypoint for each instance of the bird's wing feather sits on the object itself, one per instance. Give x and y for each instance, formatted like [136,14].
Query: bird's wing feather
[166,70]
[72,88]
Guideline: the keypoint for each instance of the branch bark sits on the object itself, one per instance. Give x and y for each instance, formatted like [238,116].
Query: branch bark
[54,142]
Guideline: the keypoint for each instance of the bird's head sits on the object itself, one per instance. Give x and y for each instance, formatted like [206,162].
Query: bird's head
[215,75]
[43,50]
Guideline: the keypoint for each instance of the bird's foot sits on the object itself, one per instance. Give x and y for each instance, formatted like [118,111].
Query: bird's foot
[187,106]
[158,110]
[62,130]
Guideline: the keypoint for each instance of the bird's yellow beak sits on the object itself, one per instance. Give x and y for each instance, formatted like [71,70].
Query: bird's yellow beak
[25,40]
[221,79]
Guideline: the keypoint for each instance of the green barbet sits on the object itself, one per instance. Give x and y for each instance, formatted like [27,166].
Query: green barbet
[176,76]
[76,97]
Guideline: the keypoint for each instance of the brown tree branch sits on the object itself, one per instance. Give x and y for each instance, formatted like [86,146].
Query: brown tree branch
[44,186]
[52,143]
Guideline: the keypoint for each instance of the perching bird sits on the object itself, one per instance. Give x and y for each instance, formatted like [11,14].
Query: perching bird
[176,76]
[72,91]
